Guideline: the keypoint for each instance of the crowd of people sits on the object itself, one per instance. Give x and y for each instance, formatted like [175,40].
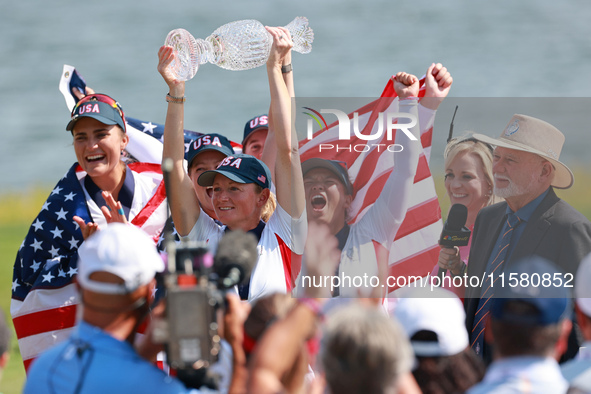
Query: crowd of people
[280,335]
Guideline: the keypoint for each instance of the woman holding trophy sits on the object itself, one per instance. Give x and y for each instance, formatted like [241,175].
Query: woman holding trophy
[240,186]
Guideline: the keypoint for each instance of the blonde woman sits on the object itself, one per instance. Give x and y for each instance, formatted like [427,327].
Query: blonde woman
[468,181]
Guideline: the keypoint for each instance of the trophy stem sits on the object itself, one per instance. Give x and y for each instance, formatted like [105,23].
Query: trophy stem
[204,51]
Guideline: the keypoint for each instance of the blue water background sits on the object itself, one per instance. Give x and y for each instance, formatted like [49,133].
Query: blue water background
[502,49]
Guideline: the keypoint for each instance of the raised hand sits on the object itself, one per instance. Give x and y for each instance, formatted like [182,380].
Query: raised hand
[406,85]
[165,57]
[113,214]
[437,81]
[282,44]
[87,228]
[437,84]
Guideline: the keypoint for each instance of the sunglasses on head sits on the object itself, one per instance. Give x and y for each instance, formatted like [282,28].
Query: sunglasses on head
[103,98]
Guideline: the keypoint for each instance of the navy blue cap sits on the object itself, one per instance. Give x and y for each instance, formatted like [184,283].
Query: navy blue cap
[256,123]
[239,168]
[550,298]
[335,166]
[100,107]
[211,141]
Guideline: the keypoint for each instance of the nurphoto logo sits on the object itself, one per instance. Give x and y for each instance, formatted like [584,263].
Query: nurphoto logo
[345,125]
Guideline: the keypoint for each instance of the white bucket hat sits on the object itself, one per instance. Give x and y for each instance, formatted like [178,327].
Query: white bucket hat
[533,135]
[123,250]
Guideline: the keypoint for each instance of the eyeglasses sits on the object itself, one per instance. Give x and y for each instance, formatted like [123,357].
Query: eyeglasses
[103,98]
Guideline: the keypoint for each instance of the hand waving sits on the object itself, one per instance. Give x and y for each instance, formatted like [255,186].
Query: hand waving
[113,214]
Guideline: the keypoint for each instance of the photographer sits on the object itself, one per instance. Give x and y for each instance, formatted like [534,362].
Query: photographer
[116,282]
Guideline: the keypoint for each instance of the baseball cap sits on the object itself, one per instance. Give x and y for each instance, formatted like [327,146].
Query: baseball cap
[254,124]
[550,299]
[211,141]
[335,166]
[239,168]
[582,288]
[442,313]
[528,134]
[100,107]
[120,249]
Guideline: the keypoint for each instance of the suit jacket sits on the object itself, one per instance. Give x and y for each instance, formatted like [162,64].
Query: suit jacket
[555,231]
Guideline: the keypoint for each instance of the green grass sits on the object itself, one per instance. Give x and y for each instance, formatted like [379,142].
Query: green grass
[16,215]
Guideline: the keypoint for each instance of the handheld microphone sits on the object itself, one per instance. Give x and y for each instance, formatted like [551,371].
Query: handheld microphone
[455,232]
[235,258]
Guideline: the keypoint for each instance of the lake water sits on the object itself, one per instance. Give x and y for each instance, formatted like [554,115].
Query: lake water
[501,50]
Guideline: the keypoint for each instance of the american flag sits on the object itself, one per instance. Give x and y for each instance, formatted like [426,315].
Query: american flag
[44,298]
[415,249]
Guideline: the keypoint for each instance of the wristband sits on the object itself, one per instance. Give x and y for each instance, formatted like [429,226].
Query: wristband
[311,303]
[287,68]
[174,99]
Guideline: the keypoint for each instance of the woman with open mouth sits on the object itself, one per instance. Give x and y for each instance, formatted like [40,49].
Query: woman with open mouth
[97,190]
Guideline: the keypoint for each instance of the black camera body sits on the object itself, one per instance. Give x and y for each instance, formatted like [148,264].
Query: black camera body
[190,330]
[195,285]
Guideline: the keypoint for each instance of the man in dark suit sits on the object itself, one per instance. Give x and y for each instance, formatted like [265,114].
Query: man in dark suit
[531,221]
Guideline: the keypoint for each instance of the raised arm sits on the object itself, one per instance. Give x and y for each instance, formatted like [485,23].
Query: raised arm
[269,152]
[281,345]
[288,172]
[389,210]
[437,84]
[397,190]
[184,205]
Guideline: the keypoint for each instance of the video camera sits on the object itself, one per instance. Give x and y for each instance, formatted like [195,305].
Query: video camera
[195,285]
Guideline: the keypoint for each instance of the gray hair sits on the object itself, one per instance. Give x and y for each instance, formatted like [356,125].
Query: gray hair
[363,351]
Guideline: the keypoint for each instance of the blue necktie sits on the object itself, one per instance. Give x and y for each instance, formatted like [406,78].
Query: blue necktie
[494,266]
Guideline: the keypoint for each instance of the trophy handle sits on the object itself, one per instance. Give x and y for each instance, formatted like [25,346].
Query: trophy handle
[301,34]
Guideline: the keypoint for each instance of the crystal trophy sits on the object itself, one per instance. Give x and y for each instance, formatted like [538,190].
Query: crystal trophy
[239,45]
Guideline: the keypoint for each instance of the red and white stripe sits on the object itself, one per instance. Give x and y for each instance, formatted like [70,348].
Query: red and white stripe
[46,316]
[415,248]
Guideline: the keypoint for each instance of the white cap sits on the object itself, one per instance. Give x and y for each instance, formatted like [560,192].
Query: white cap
[442,313]
[582,288]
[123,250]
